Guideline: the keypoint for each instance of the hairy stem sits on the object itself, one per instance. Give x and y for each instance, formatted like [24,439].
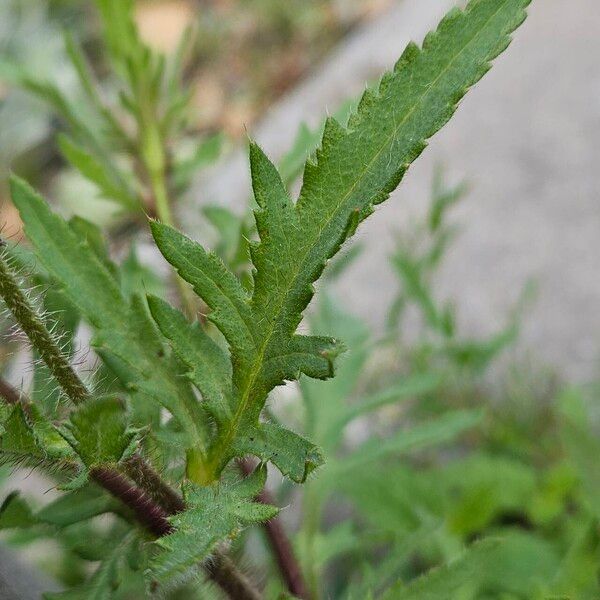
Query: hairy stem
[9,393]
[146,477]
[224,573]
[40,337]
[281,545]
[151,513]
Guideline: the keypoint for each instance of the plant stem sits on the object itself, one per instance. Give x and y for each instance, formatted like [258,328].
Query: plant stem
[8,392]
[41,339]
[146,477]
[311,513]
[224,573]
[152,514]
[165,214]
[281,545]
[154,160]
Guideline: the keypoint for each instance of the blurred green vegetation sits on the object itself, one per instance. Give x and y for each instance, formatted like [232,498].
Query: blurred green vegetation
[433,440]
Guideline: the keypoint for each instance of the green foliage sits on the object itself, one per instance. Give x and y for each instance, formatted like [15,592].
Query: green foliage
[99,433]
[106,582]
[186,391]
[355,169]
[214,514]
[149,113]
[123,328]
[15,512]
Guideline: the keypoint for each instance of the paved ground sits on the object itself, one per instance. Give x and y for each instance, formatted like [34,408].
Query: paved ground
[528,140]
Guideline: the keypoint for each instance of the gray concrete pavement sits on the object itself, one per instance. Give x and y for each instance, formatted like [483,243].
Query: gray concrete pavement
[528,140]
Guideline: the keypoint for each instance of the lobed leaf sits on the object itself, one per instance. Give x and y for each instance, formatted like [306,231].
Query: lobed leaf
[125,335]
[355,169]
[214,513]
[98,431]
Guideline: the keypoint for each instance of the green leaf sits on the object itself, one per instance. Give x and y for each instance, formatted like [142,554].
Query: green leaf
[93,170]
[437,431]
[79,505]
[483,487]
[210,371]
[518,566]
[98,431]
[119,29]
[582,446]
[209,367]
[409,387]
[18,439]
[214,513]
[29,438]
[306,142]
[577,576]
[89,233]
[327,401]
[55,98]
[109,576]
[125,334]
[15,513]
[355,169]
[449,580]
[295,456]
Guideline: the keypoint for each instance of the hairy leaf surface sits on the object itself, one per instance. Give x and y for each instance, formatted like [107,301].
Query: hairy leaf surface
[123,329]
[98,431]
[215,513]
[355,169]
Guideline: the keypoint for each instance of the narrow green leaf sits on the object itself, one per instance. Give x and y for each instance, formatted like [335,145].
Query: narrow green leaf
[90,234]
[447,581]
[124,331]
[15,513]
[215,284]
[94,171]
[415,385]
[437,431]
[210,368]
[79,505]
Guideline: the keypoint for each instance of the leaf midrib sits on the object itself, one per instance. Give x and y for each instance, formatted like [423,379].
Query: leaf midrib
[257,368]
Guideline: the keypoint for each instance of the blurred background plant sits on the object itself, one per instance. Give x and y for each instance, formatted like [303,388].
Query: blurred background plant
[236,59]
[433,440]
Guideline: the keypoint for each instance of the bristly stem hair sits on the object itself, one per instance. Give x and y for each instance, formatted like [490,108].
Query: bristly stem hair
[32,323]
[150,513]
